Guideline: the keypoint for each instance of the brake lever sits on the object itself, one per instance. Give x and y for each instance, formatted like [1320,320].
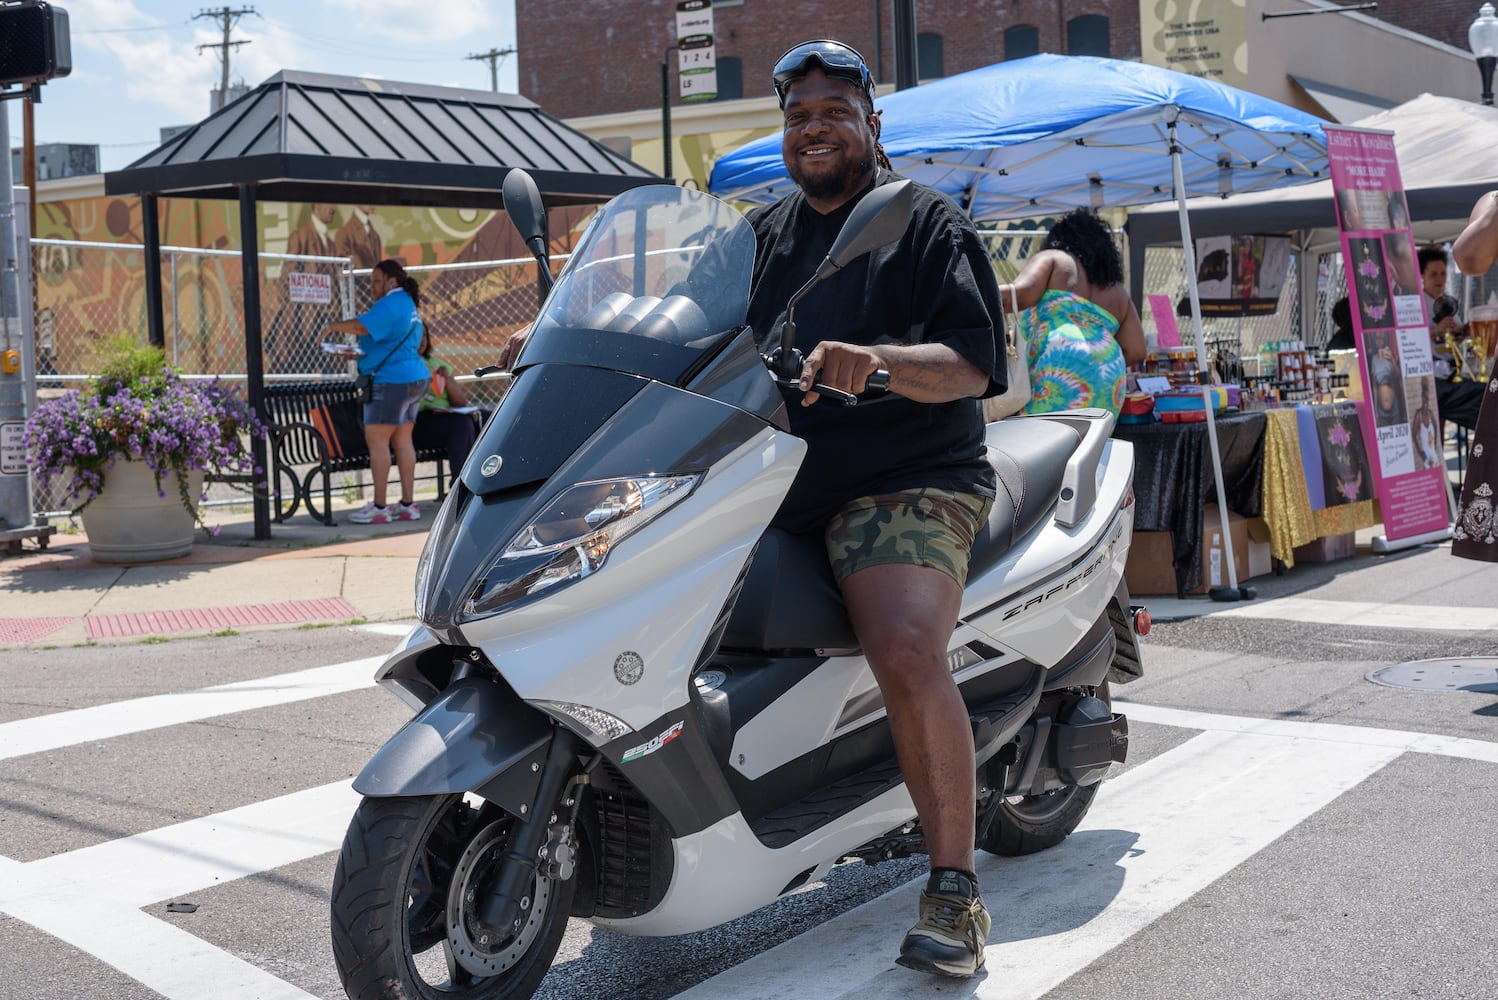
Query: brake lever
[846,398]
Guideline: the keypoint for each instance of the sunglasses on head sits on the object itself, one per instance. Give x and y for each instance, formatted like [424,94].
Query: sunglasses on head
[834,58]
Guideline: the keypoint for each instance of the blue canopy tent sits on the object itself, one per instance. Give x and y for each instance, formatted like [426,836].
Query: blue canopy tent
[1051,133]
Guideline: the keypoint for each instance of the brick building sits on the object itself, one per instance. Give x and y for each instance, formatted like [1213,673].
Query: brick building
[598,63]
[1444,20]
[603,56]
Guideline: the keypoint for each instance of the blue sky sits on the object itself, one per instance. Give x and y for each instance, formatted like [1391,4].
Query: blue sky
[136,66]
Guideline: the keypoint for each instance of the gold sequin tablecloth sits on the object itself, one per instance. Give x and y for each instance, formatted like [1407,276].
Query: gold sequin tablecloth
[1287,504]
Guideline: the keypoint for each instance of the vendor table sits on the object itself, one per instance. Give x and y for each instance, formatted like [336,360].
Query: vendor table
[1263,474]
[1173,480]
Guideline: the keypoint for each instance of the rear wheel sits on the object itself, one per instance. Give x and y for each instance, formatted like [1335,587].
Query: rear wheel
[406,893]
[1025,824]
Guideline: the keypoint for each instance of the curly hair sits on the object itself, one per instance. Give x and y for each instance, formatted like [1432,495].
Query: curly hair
[1082,235]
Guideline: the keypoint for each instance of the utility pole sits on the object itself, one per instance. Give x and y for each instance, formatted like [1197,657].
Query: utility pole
[492,57]
[227,18]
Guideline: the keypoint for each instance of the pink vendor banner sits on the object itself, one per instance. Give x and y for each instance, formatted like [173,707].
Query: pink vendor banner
[1398,413]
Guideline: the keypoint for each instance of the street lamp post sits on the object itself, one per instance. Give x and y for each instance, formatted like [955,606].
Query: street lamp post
[1482,38]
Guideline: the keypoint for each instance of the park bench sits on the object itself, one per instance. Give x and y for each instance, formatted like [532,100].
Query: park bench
[319,426]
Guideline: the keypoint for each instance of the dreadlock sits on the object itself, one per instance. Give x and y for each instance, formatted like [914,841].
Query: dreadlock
[867,104]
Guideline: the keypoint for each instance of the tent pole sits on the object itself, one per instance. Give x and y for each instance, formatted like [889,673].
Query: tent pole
[1232,592]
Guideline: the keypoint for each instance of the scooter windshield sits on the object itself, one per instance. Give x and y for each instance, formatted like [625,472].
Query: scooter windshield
[658,282]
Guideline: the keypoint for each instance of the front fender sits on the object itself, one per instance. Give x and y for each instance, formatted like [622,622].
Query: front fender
[476,736]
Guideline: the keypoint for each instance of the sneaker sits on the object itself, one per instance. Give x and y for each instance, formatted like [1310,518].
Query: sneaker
[408,511]
[370,514]
[948,940]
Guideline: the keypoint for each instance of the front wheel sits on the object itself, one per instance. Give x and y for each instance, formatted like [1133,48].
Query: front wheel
[1031,823]
[410,881]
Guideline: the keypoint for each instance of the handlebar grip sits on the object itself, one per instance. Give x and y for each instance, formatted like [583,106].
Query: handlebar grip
[877,382]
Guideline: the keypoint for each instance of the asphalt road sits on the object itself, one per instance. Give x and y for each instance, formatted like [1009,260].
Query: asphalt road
[1284,826]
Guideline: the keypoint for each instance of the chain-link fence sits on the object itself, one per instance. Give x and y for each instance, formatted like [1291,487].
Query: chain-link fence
[87,293]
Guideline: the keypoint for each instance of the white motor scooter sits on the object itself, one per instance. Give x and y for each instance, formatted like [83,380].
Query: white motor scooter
[638,704]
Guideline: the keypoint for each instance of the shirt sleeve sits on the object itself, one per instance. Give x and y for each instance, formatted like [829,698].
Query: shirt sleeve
[958,295]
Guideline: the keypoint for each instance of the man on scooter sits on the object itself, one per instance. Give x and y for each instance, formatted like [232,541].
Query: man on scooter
[899,485]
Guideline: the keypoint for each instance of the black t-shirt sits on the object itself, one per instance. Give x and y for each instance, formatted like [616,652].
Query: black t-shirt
[935,285]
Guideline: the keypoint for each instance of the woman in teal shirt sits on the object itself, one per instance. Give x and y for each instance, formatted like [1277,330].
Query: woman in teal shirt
[389,335]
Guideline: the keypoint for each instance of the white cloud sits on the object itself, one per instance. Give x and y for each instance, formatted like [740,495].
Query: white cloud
[420,22]
[174,75]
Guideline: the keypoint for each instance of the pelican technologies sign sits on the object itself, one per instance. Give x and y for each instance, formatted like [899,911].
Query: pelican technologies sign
[696,56]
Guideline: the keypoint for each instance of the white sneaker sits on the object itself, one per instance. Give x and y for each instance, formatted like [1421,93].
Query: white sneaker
[408,511]
[370,514]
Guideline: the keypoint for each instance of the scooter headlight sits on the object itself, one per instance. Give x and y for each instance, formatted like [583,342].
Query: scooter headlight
[424,575]
[572,537]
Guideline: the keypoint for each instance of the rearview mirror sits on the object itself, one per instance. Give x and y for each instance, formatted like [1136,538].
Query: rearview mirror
[527,213]
[878,220]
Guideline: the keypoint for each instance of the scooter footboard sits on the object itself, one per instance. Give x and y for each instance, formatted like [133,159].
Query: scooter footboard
[476,736]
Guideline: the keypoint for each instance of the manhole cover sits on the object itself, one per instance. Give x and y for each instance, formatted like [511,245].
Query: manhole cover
[1467,673]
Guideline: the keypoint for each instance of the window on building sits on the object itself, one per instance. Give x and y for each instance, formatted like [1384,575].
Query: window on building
[1087,35]
[1021,40]
[928,57]
[730,79]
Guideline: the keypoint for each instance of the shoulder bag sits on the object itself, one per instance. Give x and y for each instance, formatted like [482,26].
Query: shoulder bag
[365,382]
[1014,398]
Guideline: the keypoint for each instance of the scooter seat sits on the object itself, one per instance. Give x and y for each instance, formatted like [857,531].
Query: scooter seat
[791,601]
[1029,456]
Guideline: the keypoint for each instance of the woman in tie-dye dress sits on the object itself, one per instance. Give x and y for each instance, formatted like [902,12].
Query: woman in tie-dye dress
[1079,323]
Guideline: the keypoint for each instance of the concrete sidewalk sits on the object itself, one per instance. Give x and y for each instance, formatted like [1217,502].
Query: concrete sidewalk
[307,573]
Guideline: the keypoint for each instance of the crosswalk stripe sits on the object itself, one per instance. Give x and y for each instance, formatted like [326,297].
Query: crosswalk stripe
[100,722]
[188,857]
[1366,614]
[1431,743]
[173,962]
[1157,835]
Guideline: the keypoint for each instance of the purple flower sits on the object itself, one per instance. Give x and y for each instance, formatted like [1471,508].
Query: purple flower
[1368,269]
[1338,435]
[140,409]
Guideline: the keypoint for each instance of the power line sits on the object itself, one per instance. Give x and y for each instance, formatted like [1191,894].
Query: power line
[492,57]
[121,31]
[227,18]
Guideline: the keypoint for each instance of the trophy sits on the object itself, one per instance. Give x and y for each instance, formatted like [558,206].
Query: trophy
[1482,341]
[1456,356]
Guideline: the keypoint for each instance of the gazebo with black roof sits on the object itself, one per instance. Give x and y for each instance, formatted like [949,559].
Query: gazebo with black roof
[314,137]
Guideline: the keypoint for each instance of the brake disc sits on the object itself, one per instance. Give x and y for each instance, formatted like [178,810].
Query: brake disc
[476,950]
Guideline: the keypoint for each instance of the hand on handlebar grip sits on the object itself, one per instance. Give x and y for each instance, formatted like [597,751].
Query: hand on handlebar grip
[512,348]
[834,365]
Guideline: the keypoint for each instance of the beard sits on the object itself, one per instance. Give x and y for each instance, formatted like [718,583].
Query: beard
[845,180]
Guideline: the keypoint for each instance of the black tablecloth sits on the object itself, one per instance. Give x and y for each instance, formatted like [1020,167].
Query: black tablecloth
[1173,480]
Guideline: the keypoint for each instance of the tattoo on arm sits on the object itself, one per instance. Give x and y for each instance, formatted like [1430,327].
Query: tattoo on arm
[932,373]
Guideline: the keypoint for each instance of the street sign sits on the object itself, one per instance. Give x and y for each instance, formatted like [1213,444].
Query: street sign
[12,449]
[696,55]
[699,86]
[694,17]
[702,57]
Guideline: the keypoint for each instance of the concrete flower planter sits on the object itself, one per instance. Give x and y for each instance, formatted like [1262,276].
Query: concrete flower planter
[128,523]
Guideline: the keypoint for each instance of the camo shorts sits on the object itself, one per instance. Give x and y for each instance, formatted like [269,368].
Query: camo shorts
[920,527]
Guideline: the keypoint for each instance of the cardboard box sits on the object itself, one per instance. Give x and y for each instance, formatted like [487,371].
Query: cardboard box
[1150,569]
